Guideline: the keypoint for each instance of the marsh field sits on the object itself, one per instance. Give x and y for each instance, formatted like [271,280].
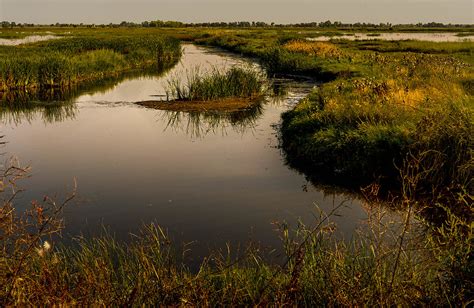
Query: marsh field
[236,166]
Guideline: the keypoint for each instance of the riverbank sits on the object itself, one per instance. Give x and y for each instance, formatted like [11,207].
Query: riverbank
[383,106]
[226,105]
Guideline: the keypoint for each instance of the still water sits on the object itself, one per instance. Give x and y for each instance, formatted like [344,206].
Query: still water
[27,40]
[402,36]
[207,178]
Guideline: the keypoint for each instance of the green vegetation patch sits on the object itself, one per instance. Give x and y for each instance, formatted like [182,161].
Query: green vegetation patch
[404,107]
[69,61]
[236,82]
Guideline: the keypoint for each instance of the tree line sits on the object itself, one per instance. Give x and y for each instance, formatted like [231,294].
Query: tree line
[240,24]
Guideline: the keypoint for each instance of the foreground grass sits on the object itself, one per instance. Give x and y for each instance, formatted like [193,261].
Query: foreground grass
[389,263]
[371,270]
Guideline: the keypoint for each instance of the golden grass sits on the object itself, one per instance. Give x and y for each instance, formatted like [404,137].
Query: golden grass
[318,49]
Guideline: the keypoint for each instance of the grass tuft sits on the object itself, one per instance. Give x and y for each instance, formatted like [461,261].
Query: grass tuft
[218,84]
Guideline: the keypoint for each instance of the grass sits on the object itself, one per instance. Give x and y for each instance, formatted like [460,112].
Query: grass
[70,61]
[364,127]
[389,263]
[382,103]
[217,84]
[391,114]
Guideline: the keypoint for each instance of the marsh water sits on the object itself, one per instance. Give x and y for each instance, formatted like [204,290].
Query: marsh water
[402,36]
[207,178]
[27,40]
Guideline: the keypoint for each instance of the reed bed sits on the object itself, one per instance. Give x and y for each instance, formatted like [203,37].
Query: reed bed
[66,62]
[319,49]
[237,82]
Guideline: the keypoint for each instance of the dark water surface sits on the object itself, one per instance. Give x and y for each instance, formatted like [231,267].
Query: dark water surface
[208,178]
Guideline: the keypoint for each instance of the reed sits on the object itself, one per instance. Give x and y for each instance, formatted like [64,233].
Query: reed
[218,84]
[66,62]
[389,263]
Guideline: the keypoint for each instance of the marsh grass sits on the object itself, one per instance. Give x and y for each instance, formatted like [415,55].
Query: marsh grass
[390,262]
[236,82]
[65,62]
[365,126]
[404,115]
[318,49]
[361,129]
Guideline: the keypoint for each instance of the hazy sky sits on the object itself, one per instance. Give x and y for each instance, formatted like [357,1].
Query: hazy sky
[279,11]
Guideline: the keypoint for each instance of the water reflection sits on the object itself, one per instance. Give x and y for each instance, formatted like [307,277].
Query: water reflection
[72,93]
[15,114]
[136,165]
[200,124]
[54,104]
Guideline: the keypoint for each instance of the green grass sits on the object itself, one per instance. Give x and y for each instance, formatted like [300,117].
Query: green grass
[462,34]
[218,84]
[363,128]
[66,62]
[391,113]
[382,104]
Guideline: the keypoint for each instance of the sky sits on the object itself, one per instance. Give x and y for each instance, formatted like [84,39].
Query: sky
[278,11]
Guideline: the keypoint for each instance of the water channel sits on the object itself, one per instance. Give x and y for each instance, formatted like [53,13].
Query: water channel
[207,178]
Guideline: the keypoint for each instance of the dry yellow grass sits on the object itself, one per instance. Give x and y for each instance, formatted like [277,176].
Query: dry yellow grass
[319,49]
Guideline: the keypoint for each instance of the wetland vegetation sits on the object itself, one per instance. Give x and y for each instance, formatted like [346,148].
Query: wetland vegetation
[392,120]
[383,103]
[230,89]
[233,83]
[67,62]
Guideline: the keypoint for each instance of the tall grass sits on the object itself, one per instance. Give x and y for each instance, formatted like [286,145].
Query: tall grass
[389,263]
[360,129]
[65,62]
[217,84]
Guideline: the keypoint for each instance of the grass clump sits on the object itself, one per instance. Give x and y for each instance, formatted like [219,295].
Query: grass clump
[217,84]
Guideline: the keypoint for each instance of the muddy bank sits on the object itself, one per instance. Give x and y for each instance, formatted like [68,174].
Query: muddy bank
[226,104]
